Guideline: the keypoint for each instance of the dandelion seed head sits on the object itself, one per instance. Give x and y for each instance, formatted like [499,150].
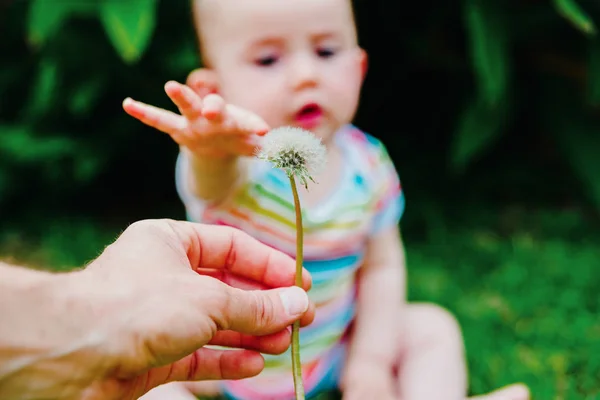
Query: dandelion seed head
[297,151]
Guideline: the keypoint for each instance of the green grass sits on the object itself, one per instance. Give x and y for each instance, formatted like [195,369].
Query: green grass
[527,301]
[528,309]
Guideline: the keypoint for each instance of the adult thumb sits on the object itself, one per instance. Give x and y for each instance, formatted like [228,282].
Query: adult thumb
[261,312]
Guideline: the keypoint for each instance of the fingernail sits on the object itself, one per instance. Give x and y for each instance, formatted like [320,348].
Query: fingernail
[295,301]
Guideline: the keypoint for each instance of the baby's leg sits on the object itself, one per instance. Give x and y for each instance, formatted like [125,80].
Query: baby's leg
[431,363]
[516,391]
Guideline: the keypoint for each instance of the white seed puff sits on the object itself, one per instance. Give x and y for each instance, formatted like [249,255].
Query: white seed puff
[297,151]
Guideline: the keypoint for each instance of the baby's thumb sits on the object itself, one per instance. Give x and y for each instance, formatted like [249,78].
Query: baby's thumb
[203,81]
[262,312]
[246,120]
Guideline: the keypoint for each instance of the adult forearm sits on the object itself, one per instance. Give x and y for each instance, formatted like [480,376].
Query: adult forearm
[23,335]
[39,333]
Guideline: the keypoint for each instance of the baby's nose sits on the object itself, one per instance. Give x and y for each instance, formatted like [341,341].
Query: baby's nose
[304,72]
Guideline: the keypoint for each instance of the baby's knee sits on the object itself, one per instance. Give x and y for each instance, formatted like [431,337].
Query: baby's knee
[437,324]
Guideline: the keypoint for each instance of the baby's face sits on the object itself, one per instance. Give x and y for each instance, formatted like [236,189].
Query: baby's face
[293,62]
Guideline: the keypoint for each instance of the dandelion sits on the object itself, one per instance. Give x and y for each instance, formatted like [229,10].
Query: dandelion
[300,154]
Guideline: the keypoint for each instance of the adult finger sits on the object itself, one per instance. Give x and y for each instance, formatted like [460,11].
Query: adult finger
[201,246]
[232,280]
[188,102]
[229,249]
[259,312]
[275,343]
[247,284]
[309,316]
[163,120]
[205,364]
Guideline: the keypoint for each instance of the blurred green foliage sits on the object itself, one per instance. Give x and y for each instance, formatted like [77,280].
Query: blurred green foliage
[502,97]
[67,66]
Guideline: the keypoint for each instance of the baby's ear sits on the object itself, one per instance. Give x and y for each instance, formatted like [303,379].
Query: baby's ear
[203,81]
[364,62]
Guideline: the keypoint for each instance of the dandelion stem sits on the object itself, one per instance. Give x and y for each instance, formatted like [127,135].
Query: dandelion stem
[296,364]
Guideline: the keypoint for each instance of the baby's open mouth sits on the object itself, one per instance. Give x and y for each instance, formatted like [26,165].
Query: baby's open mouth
[309,110]
[309,116]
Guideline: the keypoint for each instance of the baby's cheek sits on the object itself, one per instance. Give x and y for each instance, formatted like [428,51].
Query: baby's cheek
[345,101]
[266,106]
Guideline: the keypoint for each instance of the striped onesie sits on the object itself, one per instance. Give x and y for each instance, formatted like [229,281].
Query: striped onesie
[368,199]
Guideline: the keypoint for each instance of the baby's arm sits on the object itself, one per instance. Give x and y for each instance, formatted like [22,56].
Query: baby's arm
[381,297]
[212,136]
[211,178]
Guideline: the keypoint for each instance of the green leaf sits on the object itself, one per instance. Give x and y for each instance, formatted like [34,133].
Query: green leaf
[5,181]
[84,96]
[184,58]
[594,72]
[483,119]
[20,144]
[489,47]
[129,25]
[45,17]
[44,88]
[570,10]
[580,143]
[479,126]
[575,131]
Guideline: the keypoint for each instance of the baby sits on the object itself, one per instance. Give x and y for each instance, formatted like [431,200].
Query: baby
[273,63]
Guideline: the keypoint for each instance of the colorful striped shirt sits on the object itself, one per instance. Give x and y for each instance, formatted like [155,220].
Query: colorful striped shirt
[368,199]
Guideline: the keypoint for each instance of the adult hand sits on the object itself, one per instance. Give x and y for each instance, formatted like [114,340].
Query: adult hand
[139,315]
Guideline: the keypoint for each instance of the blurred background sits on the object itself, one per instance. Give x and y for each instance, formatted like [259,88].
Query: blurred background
[489,108]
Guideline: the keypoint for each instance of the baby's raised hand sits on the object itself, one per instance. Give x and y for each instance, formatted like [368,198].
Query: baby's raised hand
[207,126]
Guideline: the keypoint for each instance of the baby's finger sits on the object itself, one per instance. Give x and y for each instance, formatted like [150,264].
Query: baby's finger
[213,107]
[246,121]
[163,120]
[203,82]
[188,102]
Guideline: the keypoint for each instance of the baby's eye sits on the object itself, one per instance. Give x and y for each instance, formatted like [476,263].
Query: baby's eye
[266,61]
[325,52]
